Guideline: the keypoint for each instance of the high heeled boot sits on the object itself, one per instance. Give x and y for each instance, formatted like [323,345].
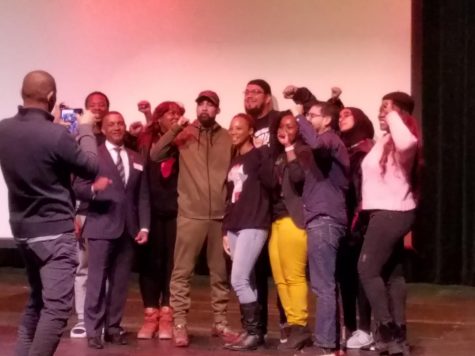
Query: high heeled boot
[251,338]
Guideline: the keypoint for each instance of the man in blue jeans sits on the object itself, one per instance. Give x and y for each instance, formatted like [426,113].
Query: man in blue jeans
[326,168]
[37,158]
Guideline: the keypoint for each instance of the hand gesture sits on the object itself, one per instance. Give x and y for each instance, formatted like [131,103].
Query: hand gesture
[101,184]
[289,91]
[87,118]
[142,237]
[297,110]
[183,121]
[57,115]
[136,128]
[144,107]
[283,138]
[226,247]
[336,92]
[57,112]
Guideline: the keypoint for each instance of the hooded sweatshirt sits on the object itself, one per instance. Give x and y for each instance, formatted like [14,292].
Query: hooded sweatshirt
[204,158]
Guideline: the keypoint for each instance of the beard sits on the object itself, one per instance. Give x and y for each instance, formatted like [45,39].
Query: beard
[255,111]
[206,120]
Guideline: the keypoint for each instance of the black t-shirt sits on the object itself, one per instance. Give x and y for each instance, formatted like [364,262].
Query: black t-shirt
[249,179]
[265,132]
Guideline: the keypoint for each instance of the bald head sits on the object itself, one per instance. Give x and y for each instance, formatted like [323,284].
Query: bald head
[39,90]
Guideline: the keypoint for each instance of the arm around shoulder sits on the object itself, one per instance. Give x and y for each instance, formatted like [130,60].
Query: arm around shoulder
[162,148]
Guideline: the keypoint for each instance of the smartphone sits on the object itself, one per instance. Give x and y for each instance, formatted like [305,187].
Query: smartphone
[69,116]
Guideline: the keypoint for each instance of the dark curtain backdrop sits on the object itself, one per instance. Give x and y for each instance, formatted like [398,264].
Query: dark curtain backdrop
[445,231]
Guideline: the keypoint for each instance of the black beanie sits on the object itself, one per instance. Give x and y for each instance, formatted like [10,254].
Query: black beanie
[263,84]
[401,99]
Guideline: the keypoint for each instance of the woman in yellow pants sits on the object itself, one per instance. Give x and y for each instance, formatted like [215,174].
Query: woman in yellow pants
[288,242]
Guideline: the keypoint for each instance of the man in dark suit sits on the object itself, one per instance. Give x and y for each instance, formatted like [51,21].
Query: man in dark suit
[118,213]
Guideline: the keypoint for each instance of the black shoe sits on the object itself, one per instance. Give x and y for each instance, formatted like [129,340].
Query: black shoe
[116,339]
[299,337]
[386,341]
[245,343]
[95,342]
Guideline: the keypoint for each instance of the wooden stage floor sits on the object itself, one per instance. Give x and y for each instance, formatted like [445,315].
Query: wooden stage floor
[441,322]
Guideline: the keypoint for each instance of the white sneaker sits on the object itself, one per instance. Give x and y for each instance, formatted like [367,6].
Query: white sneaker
[359,339]
[78,331]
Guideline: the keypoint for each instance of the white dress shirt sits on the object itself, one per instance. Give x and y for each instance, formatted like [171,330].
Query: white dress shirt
[123,154]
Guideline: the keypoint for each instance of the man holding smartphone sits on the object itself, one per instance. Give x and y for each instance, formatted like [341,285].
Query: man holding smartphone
[37,174]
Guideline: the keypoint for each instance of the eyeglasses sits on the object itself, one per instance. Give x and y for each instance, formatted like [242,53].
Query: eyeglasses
[312,115]
[253,92]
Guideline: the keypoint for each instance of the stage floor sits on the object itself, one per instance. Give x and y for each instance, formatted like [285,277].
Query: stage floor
[441,322]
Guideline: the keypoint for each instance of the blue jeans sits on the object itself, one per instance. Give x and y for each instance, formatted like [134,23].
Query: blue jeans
[245,246]
[324,235]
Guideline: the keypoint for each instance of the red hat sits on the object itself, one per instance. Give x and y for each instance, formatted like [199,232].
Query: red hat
[208,95]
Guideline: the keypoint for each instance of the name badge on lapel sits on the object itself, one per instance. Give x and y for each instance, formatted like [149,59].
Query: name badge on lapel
[138,166]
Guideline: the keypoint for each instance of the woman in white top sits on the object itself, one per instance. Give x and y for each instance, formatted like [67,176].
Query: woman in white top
[389,193]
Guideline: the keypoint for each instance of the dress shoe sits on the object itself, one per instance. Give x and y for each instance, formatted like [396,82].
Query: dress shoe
[116,339]
[95,342]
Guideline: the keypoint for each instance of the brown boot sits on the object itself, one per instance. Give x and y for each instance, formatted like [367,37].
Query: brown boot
[180,336]
[150,326]
[165,329]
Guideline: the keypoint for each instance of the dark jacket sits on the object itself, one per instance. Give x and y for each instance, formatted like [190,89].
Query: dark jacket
[289,178]
[204,159]
[326,169]
[118,208]
[38,158]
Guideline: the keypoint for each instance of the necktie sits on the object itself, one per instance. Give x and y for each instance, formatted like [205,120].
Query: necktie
[120,165]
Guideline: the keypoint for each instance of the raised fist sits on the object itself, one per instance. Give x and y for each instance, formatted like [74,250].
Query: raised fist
[144,106]
[289,91]
[136,128]
[336,92]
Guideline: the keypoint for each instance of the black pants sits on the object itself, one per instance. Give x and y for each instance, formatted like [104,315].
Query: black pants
[262,271]
[352,292]
[155,262]
[380,265]
[50,266]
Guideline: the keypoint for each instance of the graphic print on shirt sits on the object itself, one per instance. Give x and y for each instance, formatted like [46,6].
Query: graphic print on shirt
[261,137]
[237,176]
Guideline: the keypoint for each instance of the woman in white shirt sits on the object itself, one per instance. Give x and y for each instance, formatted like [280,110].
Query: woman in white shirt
[389,194]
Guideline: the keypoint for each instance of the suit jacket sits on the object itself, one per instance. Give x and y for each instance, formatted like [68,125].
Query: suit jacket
[118,208]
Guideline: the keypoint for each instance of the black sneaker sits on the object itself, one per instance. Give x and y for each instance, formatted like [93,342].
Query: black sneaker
[298,338]
[284,332]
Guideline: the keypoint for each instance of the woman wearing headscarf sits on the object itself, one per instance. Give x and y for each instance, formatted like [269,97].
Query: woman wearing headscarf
[356,132]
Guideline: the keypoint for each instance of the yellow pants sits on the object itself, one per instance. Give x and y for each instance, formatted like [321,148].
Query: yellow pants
[288,258]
